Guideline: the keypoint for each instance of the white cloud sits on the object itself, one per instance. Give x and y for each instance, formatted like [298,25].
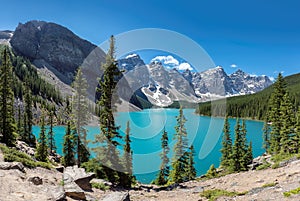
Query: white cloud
[272,79]
[233,66]
[184,66]
[170,62]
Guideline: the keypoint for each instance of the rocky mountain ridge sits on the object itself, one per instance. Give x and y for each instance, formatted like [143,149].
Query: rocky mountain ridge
[54,49]
[163,86]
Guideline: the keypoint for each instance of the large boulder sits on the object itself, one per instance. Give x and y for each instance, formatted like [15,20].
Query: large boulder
[79,176]
[76,182]
[117,196]
[11,166]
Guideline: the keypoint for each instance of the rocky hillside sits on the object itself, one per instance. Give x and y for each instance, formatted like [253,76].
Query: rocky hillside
[52,46]
[72,183]
[163,86]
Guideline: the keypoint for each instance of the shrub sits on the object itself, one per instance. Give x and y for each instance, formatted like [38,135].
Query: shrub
[13,155]
[291,192]
[213,195]
[100,186]
[263,166]
[269,185]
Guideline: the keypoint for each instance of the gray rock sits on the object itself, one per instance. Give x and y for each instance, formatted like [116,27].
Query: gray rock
[74,191]
[11,166]
[198,189]
[36,180]
[59,194]
[117,196]
[78,176]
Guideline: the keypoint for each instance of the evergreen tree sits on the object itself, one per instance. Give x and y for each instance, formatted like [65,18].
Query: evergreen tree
[127,177]
[164,170]
[287,121]
[68,147]
[212,172]
[226,149]
[7,121]
[27,135]
[266,135]
[179,161]
[274,113]
[107,153]
[80,116]
[297,136]
[191,170]
[245,159]
[239,149]
[249,155]
[51,139]
[19,123]
[42,148]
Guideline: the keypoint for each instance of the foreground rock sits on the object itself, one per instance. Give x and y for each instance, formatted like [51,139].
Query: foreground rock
[12,166]
[117,196]
[76,182]
[31,184]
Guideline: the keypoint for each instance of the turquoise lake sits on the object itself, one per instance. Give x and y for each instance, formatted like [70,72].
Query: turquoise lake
[205,133]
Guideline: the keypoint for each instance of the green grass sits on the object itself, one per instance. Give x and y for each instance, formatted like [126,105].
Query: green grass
[269,185]
[292,192]
[263,166]
[100,186]
[13,155]
[213,195]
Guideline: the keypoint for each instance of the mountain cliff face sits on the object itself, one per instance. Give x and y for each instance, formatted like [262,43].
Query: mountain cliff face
[163,86]
[52,46]
[60,51]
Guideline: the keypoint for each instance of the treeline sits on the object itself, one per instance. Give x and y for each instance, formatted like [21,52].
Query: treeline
[26,74]
[237,155]
[282,123]
[182,166]
[253,106]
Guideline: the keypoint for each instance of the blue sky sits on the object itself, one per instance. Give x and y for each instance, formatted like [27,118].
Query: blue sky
[259,36]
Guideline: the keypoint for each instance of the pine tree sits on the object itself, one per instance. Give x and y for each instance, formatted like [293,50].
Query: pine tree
[191,170]
[249,155]
[212,172]
[241,152]
[266,135]
[226,149]
[274,113]
[7,121]
[27,135]
[164,170]
[80,116]
[297,136]
[68,147]
[42,148]
[179,160]
[19,123]
[107,153]
[127,177]
[245,160]
[51,139]
[287,131]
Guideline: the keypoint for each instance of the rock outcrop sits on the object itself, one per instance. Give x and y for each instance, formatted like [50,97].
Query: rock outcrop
[12,166]
[52,46]
[76,182]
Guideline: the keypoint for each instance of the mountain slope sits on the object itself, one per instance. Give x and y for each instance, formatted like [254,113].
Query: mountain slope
[253,106]
[164,87]
[53,46]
